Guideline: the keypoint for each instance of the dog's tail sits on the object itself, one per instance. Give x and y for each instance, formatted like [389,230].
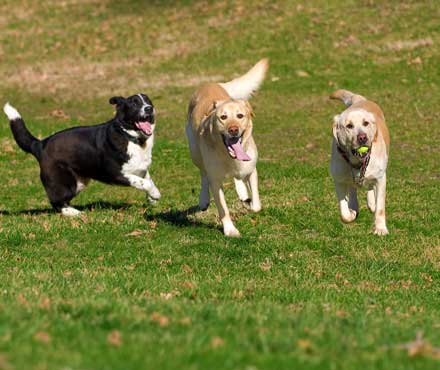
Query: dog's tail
[22,136]
[244,86]
[347,97]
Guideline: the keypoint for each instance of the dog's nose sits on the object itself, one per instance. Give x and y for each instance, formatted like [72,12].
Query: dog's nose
[233,130]
[362,138]
[148,109]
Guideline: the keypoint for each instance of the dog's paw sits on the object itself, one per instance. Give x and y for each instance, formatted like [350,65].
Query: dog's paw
[349,217]
[203,206]
[154,194]
[231,231]
[151,200]
[204,200]
[70,212]
[381,230]
[255,207]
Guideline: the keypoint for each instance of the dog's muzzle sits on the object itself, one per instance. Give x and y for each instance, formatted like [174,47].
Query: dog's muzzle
[235,148]
[360,155]
[144,124]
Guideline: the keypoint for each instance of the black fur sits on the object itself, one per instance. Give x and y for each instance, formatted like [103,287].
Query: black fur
[86,152]
[25,140]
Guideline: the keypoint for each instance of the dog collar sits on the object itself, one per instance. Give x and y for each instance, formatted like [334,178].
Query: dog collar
[359,178]
[136,140]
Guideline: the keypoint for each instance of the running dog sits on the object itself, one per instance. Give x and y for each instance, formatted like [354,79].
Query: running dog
[116,152]
[219,131]
[361,125]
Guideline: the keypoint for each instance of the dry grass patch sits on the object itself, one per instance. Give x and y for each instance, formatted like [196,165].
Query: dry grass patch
[94,79]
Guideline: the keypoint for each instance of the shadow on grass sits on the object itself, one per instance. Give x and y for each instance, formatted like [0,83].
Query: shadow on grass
[85,207]
[179,218]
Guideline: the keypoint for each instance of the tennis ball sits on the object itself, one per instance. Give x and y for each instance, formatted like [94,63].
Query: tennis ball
[363,149]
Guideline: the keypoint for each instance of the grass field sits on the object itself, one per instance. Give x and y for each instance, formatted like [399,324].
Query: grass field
[130,286]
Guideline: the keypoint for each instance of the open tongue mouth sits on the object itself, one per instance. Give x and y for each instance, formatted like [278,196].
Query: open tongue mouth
[236,150]
[145,127]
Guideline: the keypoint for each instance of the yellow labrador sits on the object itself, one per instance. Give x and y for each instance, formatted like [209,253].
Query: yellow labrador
[219,130]
[362,124]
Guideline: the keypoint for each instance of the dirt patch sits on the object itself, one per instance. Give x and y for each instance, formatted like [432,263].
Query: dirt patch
[73,77]
[409,44]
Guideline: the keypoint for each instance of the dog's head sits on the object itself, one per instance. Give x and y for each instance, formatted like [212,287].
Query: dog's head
[135,113]
[353,129]
[234,124]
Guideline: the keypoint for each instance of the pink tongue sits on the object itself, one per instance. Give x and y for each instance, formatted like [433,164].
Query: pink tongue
[239,152]
[145,127]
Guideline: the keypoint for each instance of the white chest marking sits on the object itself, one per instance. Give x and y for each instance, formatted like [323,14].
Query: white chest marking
[139,158]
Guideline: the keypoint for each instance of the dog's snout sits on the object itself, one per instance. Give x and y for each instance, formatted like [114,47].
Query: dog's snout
[148,109]
[362,138]
[233,130]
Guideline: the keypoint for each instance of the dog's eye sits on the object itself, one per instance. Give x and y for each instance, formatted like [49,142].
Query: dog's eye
[366,123]
[240,116]
[223,117]
[350,126]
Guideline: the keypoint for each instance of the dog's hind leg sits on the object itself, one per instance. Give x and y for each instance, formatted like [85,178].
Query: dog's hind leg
[253,184]
[242,190]
[61,185]
[347,215]
[204,197]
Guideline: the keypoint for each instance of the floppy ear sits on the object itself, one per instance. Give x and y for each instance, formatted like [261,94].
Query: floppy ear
[249,108]
[214,106]
[118,100]
[335,127]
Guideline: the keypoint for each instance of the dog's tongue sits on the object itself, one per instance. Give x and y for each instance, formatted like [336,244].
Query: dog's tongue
[239,151]
[145,127]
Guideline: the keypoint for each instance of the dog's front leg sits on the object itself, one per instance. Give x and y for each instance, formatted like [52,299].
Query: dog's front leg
[353,200]
[154,194]
[347,215]
[380,227]
[371,198]
[219,197]
[242,190]
[146,185]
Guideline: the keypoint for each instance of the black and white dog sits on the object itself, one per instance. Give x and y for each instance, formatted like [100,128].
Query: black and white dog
[116,152]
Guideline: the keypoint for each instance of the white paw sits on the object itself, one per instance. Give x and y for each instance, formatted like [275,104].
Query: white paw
[230,230]
[349,217]
[256,207]
[70,212]
[380,230]
[154,194]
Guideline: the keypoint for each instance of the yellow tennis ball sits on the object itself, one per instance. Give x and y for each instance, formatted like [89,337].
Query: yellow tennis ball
[363,149]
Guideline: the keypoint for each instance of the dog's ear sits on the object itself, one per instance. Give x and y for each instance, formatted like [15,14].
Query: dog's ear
[336,127]
[249,108]
[117,100]
[215,104]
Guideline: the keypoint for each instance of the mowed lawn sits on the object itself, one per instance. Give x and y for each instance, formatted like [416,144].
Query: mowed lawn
[131,286]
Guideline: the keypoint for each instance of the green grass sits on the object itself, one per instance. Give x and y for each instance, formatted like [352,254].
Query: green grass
[129,286]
